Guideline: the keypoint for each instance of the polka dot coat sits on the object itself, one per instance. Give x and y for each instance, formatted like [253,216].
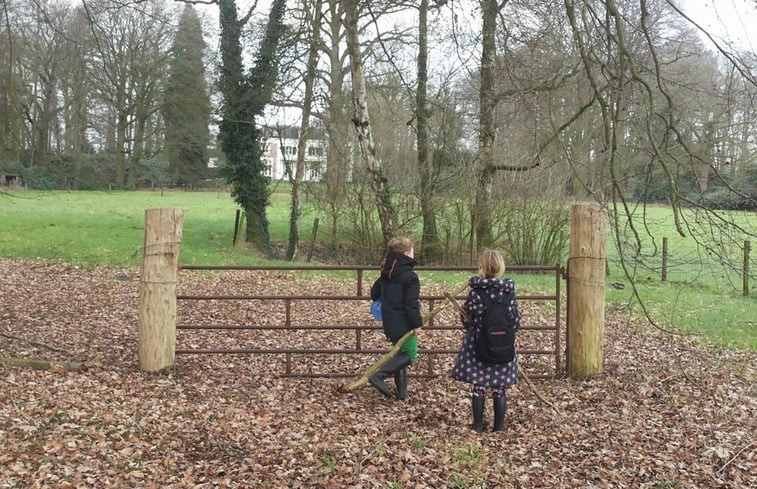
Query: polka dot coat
[467,367]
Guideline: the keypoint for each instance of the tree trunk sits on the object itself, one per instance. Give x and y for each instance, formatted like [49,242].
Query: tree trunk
[256,229]
[244,99]
[482,219]
[702,165]
[120,148]
[45,117]
[296,213]
[137,149]
[361,121]
[430,251]
[338,156]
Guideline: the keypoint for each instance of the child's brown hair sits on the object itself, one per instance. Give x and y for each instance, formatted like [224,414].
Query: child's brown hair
[400,244]
[491,264]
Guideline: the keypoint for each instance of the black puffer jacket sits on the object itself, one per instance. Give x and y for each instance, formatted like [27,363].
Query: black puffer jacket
[399,289]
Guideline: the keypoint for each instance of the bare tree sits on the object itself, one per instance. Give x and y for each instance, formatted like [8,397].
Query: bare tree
[314,19]
[131,48]
[76,91]
[482,222]
[361,121]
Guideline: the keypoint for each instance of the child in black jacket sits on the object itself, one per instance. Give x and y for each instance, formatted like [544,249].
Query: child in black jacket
[398,288]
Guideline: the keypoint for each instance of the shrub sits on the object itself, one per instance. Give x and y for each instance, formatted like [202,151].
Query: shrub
[739,194]
[534,232]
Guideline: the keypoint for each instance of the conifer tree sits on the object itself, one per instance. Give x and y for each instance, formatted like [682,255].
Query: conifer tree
[186,105]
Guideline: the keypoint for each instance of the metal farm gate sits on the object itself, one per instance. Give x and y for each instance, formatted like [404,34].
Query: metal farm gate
[539,340]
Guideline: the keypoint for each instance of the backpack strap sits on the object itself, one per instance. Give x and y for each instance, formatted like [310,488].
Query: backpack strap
[486,300]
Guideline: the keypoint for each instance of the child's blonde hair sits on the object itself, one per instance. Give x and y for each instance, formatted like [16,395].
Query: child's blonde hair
[400,244]
[491,264]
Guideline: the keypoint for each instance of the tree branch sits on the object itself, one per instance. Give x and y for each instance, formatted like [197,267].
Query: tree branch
[40,364]
[734,457]
[727,54]
[34,343]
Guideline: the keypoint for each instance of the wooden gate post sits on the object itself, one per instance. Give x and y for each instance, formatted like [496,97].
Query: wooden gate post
[157,288]
[586,290]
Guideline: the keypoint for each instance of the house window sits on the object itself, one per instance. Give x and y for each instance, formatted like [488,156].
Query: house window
[315,151]
[315,171]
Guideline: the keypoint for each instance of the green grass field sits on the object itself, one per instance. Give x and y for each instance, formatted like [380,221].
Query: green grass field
[701,295]
[703,290]
[100,228]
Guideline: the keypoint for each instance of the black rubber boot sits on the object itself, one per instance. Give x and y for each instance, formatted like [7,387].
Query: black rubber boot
[390,367]
[400,381]
[478,402]
[500,408]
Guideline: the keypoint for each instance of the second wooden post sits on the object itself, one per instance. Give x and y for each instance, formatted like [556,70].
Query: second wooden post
[586,291]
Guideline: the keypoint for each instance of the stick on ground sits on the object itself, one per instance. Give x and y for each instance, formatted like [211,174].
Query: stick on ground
[39,364]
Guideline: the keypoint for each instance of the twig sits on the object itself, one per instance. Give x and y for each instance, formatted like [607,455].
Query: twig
[734,457]
[459,308]
[678,359]
[521,371]
[35,343]
[233,450]
[536,391]
[359,464]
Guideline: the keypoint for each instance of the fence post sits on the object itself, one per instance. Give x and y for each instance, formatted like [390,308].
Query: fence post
[312,239]
[664,259]
[236,228]
[747,248]
[157,288]
[586,290]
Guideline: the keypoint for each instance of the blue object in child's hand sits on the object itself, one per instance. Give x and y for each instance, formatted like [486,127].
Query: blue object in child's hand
[376,309]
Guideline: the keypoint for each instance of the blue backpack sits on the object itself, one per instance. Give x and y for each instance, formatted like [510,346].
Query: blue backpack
[376,309]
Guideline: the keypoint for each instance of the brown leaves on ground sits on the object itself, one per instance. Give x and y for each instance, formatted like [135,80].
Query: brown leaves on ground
[668,413]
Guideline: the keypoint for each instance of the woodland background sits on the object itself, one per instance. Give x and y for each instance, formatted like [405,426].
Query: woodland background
[497,115]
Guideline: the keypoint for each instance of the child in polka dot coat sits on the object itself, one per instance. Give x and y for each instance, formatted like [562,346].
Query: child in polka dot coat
[483,376]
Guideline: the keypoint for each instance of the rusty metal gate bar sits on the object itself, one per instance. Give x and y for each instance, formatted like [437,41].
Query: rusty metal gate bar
[430,353]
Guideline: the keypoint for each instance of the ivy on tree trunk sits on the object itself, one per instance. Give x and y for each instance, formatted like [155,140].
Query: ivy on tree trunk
[244,98]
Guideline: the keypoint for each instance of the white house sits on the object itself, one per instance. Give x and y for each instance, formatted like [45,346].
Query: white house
[280,152]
